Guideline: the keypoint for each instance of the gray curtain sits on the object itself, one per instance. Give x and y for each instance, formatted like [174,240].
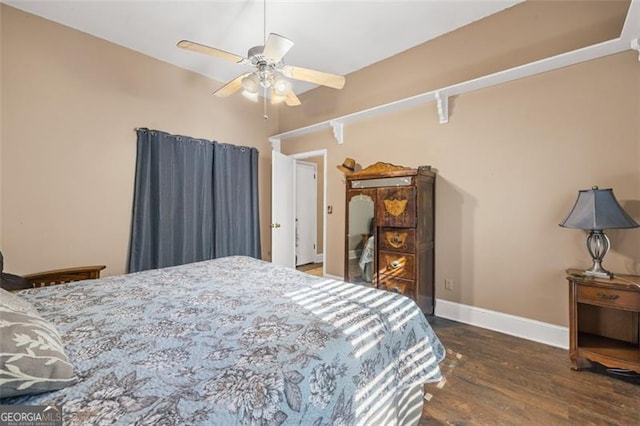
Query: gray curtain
[193,200]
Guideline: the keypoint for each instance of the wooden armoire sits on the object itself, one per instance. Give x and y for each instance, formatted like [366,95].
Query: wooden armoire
[390,221]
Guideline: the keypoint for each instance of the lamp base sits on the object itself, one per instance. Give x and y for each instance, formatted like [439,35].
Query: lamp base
[598,245]
[600,274]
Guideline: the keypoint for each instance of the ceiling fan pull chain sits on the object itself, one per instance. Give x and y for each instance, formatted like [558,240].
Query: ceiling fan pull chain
[264,104]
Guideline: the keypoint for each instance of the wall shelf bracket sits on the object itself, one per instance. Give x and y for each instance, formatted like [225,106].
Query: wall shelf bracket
[635,45]
[443,107]
[275,143]
[338,130]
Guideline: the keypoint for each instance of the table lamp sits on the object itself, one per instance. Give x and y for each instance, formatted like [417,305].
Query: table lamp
[597,210]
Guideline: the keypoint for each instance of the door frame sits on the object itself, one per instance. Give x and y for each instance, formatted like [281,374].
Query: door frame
[320,153]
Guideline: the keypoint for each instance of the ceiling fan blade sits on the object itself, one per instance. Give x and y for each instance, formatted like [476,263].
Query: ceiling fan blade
[292,99]
[231,87]
[313,76]
[211,51]
[276,47]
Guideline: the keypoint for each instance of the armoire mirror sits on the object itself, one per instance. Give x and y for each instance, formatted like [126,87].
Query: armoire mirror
[360,243]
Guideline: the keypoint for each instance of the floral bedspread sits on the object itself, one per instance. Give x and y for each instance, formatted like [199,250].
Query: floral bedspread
[234,341]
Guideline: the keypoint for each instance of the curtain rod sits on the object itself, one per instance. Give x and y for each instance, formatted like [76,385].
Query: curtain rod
[135,129]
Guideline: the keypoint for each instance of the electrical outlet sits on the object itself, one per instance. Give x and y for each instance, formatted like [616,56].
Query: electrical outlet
[448,284]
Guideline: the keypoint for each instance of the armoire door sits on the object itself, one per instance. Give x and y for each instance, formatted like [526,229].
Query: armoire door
[360,262]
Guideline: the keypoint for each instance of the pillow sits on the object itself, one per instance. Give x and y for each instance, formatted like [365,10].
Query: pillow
[32,359]
[11,281]
[15,302]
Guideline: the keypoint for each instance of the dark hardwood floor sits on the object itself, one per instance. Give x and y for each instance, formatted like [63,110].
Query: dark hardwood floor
[496,379]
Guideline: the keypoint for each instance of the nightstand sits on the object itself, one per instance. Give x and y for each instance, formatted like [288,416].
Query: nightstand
[604,321]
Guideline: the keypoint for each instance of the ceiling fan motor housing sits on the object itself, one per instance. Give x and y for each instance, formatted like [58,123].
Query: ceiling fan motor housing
[255,51]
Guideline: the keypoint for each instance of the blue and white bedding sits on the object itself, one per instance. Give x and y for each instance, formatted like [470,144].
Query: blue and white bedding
[237,341]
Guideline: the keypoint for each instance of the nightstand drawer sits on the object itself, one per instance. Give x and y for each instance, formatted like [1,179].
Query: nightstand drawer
[608,297]
[398,239]
[397,265]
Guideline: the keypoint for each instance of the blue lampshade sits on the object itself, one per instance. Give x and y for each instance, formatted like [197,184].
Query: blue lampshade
[597,209]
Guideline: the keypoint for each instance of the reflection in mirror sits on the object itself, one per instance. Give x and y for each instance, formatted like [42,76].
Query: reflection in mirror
[360,239]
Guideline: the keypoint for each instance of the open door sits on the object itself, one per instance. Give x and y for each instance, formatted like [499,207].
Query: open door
[283,241]
[306,212]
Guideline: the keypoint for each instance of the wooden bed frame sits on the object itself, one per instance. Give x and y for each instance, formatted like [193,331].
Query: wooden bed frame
[61,276]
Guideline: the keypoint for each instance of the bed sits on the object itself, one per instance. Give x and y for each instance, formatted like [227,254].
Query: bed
[236,341]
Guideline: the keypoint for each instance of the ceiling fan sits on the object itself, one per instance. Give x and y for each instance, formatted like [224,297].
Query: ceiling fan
[270,79]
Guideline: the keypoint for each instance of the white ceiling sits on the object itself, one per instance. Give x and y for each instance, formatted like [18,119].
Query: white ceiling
[334,36]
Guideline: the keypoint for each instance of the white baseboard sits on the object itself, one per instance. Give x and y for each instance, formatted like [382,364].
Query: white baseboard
[319,258]
[550,334]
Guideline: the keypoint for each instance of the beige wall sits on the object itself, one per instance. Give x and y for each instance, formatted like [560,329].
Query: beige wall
[70,104]
[510,161]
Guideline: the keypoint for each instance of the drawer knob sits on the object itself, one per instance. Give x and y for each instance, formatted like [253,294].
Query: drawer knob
[396,239]
[604,296]
[395,264]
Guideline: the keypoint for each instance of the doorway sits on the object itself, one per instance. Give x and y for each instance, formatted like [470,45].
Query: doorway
[283,206]
[306,212]
[319,158]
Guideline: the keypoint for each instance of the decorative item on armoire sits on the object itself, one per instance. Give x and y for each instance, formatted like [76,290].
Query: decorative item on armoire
[596,210]
[389,238]
[347,166]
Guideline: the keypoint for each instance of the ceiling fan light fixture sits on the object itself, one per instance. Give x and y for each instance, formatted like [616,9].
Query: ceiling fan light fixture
[277,99]
[253,97]
[265,78]
[250,84]
[281,87]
